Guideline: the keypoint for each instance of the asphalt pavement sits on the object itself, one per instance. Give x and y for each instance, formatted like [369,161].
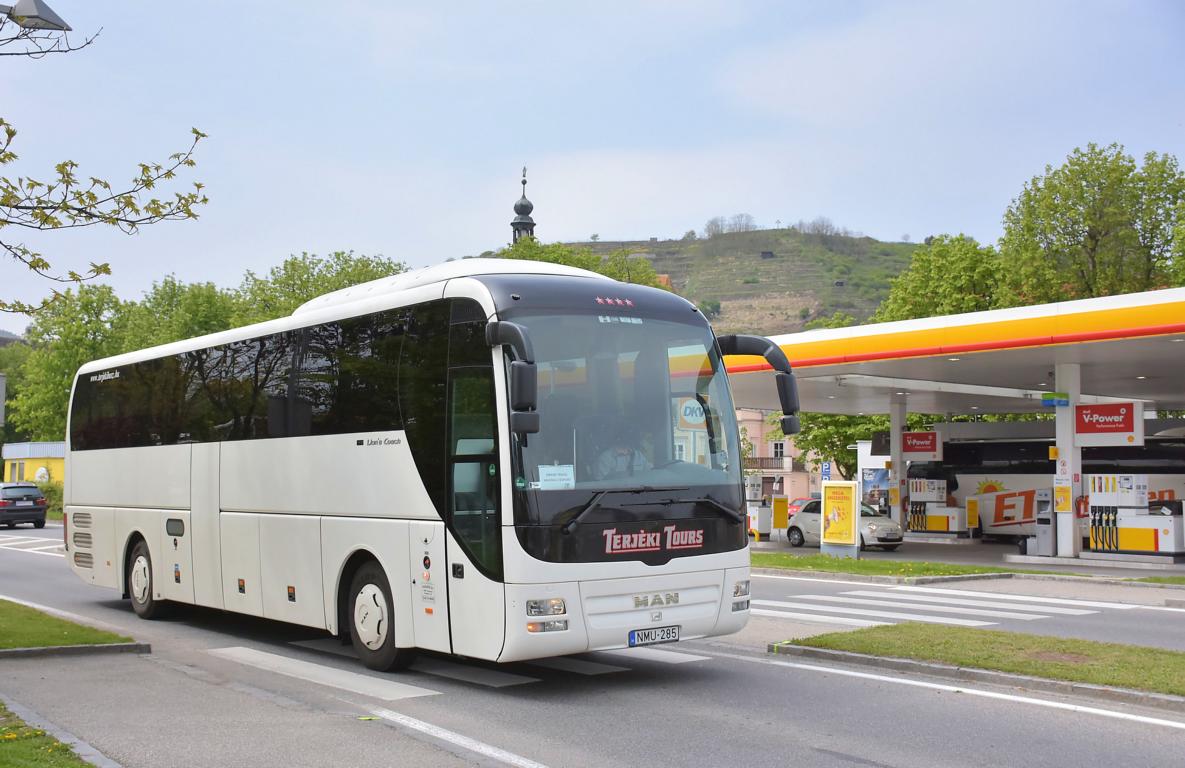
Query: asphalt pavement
[222,689]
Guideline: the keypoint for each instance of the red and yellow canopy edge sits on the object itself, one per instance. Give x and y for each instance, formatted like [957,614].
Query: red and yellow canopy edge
[1050,330]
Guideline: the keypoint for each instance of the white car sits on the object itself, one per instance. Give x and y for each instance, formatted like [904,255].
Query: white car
[876,530]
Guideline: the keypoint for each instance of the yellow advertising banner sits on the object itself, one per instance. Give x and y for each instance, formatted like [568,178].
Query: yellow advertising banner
[840,513]
[1062,496]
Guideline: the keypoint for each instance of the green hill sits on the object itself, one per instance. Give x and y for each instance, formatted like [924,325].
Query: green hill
[774,280]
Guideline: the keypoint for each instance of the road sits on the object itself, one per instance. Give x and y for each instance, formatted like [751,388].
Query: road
[221,689]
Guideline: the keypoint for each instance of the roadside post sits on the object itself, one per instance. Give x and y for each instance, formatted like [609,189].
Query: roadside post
[840,519]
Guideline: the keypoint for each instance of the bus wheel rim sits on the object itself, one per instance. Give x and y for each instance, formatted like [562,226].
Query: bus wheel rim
[141,579]
[370,616]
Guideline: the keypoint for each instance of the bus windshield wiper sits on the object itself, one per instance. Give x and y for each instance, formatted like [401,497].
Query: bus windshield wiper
[707,499]
[595,502]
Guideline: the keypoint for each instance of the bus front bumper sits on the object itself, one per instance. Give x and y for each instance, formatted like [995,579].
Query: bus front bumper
[602,615]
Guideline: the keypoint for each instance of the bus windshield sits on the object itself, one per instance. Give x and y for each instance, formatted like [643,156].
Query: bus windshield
[627,403]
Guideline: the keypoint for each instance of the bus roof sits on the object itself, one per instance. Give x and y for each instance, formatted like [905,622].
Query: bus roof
[439,273]
[358,299]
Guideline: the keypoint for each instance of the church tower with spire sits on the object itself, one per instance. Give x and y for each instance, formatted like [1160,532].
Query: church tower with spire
[522,224]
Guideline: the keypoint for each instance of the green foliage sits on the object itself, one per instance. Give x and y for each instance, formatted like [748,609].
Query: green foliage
[836,320]
[173,310]
[53,499]
[71,200]
[12,358]
[618,264]
[304,277]
[948,275]
[710,308]
[1098,225]
[90,322]
[26,627]
[83,324]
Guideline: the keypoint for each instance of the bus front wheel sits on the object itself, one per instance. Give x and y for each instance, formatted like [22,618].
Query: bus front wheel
[372,628]
[139,582]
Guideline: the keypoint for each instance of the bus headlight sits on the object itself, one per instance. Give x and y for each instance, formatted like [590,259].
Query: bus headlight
[553,606]
[741,589]
[555,625]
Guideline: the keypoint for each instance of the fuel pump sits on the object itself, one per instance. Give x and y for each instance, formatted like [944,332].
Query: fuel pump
[928,511]
[1123,520]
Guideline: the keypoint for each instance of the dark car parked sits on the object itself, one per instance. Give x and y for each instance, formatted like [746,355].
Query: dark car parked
[21,503]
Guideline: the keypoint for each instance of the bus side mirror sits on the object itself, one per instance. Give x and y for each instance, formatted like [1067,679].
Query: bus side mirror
[741,344]
[524,379]
[524,386]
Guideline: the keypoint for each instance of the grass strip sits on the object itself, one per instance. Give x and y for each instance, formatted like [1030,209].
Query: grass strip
[828,564]
[1056,658]
[24,627]
[1162,579]
[22,746]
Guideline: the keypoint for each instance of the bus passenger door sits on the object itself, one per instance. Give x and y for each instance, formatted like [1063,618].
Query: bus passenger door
[429,589]
[474,539]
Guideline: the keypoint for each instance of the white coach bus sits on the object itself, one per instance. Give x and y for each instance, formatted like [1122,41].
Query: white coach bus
[490,458]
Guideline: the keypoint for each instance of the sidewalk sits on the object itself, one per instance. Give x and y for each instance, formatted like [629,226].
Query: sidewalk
[146,711]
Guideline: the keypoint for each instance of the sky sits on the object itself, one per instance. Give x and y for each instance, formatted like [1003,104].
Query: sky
[398,128]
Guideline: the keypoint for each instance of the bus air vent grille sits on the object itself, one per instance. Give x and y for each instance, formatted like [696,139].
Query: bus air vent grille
[81,520]
[84,560]
[83,539]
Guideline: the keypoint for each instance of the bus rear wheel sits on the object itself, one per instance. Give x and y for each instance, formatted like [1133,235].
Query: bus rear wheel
[372,627]
[139,583]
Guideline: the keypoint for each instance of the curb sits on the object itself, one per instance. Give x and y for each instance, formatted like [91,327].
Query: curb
[83,750]
[1024,682]
[877,579]
[74,650]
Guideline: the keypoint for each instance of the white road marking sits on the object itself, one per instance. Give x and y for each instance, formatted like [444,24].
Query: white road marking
[881,602]
[32,551]
[577,666]
[1177,724]
[811,607]
[467,673]
[816,619]
[972,603]
[365,685]
[473,745]
[657,654]
[1021,598]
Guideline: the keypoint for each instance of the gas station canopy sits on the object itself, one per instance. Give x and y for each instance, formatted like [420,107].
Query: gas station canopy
[1129,347]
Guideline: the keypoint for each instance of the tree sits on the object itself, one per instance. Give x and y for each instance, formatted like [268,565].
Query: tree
[83,324]
[307,276]
[1098,225]
[594,237]
[620,265]
[948,275]
[741,222]
[12,358]
[689,236]
[70,200]
[173,310]
[715,226]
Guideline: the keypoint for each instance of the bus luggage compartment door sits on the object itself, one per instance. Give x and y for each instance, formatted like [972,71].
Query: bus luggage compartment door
[177,557]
